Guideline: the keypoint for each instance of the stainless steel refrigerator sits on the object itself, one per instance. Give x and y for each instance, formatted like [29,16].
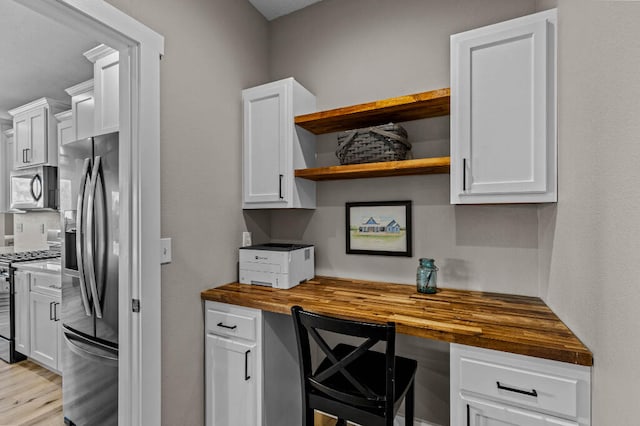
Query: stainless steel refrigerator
[89,206]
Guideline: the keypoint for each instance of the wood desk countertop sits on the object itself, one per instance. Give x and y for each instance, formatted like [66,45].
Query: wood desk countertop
[509,323]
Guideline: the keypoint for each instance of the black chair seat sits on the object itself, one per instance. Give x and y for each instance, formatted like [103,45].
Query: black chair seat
[369,371]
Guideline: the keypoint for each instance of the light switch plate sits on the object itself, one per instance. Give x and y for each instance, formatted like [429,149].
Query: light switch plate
[165,250]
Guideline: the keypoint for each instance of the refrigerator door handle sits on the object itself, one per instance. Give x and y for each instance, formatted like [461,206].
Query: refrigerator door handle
[78,349]
[86,171]
[89,246]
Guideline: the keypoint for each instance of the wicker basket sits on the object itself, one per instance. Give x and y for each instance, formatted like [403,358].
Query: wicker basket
[370,145]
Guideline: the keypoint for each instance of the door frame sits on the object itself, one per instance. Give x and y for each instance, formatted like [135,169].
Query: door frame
[139,377]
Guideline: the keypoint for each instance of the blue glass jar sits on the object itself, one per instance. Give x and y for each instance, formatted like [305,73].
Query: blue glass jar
[427,276]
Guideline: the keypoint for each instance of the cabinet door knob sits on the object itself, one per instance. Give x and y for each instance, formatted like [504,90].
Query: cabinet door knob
[280,187]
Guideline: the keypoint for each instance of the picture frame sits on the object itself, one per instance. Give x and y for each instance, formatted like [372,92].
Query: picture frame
[379,228]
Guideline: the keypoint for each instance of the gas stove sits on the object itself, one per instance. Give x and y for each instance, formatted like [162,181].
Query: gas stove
[25,256]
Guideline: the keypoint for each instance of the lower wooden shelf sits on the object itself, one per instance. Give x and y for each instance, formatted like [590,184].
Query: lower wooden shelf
[419,166]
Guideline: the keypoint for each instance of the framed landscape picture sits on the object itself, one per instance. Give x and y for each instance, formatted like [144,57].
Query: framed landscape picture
[379,227]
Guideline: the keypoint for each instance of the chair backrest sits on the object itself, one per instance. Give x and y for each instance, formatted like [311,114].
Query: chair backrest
[307,324]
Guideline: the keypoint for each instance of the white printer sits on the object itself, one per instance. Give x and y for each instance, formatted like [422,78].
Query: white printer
[276,265]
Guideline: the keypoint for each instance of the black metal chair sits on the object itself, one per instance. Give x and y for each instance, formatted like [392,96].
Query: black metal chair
[353,383]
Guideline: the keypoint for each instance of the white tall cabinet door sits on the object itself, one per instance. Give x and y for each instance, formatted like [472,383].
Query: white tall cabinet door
[503,112]
[44,330]
[232,383]
[486,413]
[265,149]
[22,329]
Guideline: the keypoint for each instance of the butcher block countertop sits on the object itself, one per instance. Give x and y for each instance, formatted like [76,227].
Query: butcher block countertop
[509,323]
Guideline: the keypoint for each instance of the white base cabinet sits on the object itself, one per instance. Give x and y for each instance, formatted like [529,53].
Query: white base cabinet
[22,327]
[503,112]
[45,329]
[233,365]
[492,388]
[37,312]
[273,147]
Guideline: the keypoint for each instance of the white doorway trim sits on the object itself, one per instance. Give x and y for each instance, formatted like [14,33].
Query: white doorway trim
[139,380]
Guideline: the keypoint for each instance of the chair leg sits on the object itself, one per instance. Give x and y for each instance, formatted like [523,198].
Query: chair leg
[308,417]
[408,405]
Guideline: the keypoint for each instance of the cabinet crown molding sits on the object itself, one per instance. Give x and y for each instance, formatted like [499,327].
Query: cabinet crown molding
[98,52]
[42,102]
[80,88]
[64,115]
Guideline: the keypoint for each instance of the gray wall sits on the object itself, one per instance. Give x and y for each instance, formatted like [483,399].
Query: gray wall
[352,51]
[213,50]
[589,240]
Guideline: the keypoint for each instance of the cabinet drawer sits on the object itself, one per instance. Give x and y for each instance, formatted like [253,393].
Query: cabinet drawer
[526,387]
[46,284]
[231,324]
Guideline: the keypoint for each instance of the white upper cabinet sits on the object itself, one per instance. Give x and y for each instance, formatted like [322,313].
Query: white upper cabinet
[106,91]
[82,110]
[6,162]
[35,133]
[273,147]
[66,133]
[503,112]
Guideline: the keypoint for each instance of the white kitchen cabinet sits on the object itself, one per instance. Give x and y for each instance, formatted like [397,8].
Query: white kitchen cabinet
[82,110]
[44,317]
[106,88]
[498,388]
[503,112]
[233,365]
[487,413]
[273,147]
[45,333]
[6,163]
[65,127]
[35,133]
[22,328]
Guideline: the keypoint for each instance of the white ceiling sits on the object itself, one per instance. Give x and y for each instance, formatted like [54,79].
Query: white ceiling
[39,57]
[272,9]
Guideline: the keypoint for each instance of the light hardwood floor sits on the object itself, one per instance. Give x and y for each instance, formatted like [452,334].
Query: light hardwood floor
[30,395]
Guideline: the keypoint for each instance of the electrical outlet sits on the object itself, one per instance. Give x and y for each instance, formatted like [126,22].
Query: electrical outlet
[246,239]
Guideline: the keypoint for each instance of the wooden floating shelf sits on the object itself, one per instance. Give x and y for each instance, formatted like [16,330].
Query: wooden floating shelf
[434,103]
[420,166]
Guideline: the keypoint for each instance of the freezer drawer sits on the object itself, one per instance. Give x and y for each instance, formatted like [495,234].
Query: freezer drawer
[90,384]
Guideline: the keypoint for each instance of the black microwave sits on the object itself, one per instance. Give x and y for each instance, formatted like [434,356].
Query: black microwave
[34,188]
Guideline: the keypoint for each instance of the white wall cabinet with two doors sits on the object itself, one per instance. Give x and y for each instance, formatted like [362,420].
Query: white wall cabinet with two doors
[503,112]
[35,133]
[37,328]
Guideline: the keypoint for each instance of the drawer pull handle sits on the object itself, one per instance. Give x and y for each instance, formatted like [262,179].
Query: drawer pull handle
[246,366]
[532,392]
[230,327]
